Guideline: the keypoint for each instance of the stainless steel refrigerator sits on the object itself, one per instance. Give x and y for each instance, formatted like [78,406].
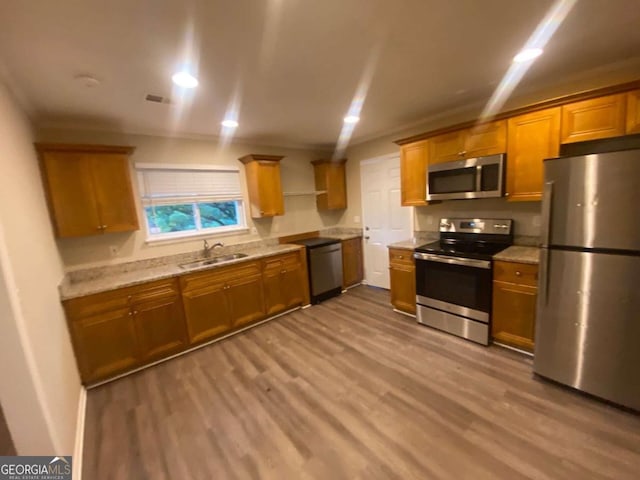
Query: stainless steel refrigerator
[588,313]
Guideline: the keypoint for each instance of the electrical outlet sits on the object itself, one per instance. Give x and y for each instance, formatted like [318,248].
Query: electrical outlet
[356,219]
[114,250]
[254,230]
[429,219]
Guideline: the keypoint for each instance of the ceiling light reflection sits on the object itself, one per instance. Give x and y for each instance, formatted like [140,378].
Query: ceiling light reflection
[537,41]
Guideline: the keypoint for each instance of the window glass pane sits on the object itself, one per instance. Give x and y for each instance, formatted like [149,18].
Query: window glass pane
[218,214]
[170,218]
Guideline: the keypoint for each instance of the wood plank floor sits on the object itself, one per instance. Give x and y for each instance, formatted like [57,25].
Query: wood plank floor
[351,390]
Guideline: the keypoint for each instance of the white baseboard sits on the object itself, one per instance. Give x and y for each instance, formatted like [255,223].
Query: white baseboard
[79,444]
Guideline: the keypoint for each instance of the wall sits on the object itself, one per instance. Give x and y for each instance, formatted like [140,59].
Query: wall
[301,213]
[525,213]
[40,388]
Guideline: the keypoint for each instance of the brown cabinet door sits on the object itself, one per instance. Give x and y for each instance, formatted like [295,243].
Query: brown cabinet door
[413,173]
[207,311]
[447,147]
[514,314]
[274,297]
[105,344]
[592,119]
[113,192]
[160,327]
[245,296]
[336,186]
[69,185]
[486,139]
[351,262]
[633,112]
[271,200]
[403,287]
[532,138]
[292,281]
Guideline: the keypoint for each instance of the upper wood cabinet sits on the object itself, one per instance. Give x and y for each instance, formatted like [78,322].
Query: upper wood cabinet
[264,184]
[414,158]
[331,182]
[532,138]
[88,188]
[600,117]
[633,112]
[447,147]
[352,269]
[479,140]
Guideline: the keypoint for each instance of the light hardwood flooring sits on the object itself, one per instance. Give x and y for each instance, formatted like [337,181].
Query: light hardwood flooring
[348,389]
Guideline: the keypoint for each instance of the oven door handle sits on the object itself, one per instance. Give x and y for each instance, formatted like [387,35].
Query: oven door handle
[467,262]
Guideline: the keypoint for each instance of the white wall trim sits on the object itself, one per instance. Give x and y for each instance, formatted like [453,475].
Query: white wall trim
[79,444]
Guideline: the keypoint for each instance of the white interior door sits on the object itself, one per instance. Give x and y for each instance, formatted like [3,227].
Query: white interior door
[384,220]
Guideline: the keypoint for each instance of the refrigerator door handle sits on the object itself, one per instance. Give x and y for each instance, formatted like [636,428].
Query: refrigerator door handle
[547,199]
[543,286]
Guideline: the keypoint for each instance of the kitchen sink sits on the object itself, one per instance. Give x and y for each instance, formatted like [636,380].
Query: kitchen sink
[212,261]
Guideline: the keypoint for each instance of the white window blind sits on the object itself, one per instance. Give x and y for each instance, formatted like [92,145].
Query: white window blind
[167,186]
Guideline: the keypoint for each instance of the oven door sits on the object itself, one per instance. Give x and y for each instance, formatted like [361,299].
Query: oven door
[461,286]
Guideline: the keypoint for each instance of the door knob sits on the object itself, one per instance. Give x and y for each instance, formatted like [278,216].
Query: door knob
[367,237]
[366,228]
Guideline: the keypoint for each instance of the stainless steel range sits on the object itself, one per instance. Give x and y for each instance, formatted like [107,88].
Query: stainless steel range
[454,276]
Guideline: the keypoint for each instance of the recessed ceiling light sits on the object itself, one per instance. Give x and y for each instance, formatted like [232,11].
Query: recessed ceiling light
[351,119]
[527,54]
[229,123]
[185,80]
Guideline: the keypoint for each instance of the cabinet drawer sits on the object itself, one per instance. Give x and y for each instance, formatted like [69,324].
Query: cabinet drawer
[198,280]
[280,262]
[78,308]
[400,256]
[518,273]
[153,291]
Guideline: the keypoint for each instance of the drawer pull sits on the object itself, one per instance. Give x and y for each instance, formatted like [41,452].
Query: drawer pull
[401,256]
[518,274]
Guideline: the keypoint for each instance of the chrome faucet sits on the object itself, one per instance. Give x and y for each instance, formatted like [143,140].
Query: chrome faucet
[208,249]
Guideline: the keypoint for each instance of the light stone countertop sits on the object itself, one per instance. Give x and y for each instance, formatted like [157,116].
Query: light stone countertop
[519,254]
[410,244]
[341,236]
[69,290]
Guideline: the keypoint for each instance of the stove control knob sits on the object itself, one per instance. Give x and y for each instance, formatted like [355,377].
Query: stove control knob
[445,225]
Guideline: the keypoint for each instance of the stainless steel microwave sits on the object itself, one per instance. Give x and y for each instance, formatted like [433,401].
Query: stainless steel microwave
[481,177]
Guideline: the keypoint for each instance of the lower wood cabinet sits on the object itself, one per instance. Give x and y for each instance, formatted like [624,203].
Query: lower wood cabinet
[119,330]
[352,269]
[402,276]
[515,294]
[284,278]
[116,331]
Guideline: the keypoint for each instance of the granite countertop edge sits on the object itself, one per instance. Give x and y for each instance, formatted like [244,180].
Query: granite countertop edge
[519,254]
[70,291]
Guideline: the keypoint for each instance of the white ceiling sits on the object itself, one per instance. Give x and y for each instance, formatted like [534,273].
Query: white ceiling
[294,65]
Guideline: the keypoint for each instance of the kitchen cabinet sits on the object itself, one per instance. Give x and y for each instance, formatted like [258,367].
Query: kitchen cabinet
[331,184]
[532,137]
[479,140]
[216,301]
[413,173]
[595,118]
[116,331]
[88,188]
[633,112]
[514,304]
[352,269]
[264,184]
[284,278]
[402,276]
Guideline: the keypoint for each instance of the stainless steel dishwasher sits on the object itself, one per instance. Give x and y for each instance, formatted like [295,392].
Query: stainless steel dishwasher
[324,263]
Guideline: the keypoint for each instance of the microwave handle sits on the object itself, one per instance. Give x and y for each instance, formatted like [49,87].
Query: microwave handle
[478,178]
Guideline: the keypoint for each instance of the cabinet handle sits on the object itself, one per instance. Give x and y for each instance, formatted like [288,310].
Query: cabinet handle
[130,313]
[283,271]
[401,256]
[518,274]
[99,227]
[104,226]
[129,297]
[135,312]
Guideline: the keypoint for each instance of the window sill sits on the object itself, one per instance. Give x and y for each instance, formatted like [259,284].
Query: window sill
[195,236]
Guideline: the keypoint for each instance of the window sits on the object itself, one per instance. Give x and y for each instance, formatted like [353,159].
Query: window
[182,201]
